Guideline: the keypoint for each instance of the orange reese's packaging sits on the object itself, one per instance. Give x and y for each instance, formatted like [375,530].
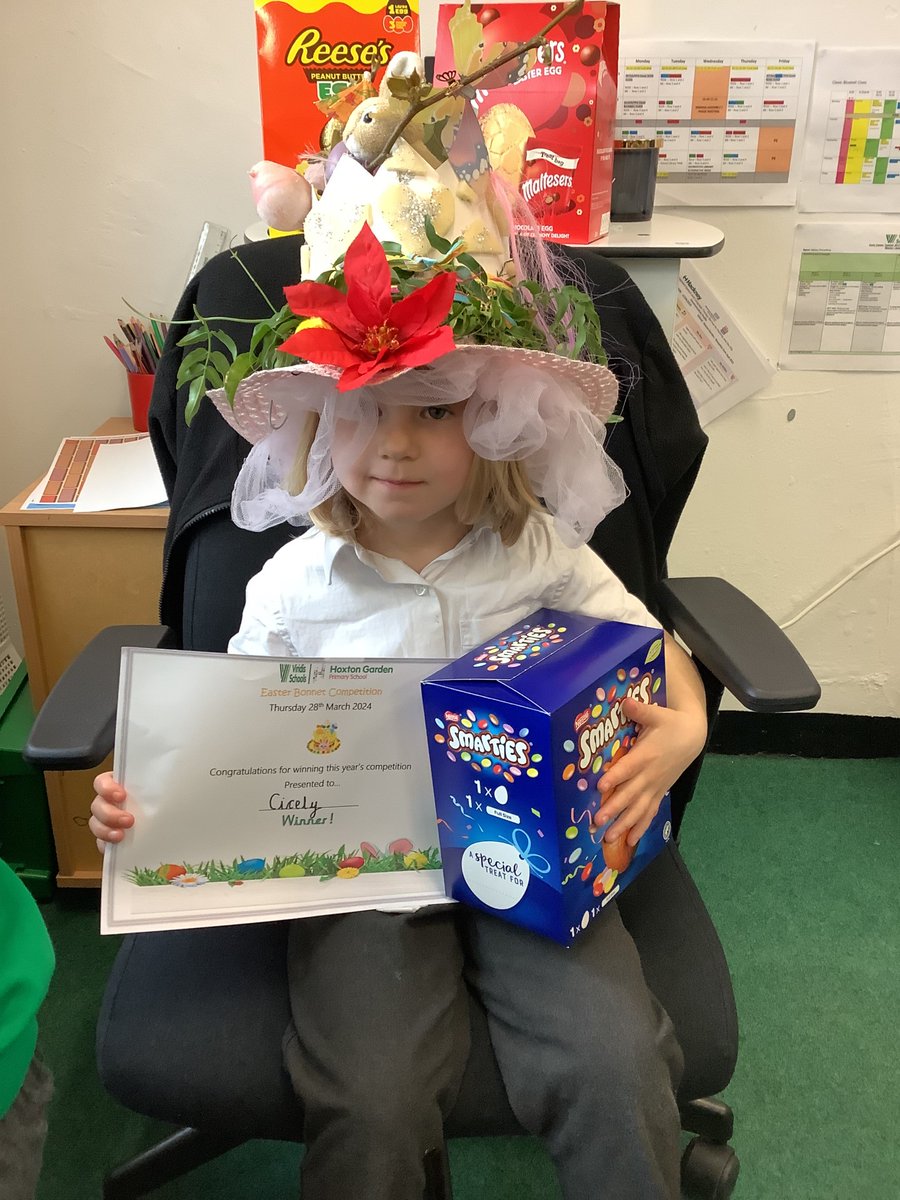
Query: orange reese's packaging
[309,52]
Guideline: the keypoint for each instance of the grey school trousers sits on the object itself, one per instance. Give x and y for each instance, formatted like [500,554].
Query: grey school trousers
[23,1131]
[380,1040]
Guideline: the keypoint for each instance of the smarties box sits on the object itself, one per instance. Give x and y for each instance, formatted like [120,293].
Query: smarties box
[520,731]
[568,100]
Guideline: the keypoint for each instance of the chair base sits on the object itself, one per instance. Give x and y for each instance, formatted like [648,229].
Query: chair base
[709,1166]
[709,1170]
[169,1159]
[437,1175]
[711,1119]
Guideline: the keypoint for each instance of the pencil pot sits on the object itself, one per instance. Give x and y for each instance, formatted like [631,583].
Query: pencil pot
[140,388]
[634,180]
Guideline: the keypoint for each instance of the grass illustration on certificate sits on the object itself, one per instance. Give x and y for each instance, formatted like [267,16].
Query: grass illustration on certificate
[401,855]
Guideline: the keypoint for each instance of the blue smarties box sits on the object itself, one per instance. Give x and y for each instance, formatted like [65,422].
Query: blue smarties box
[520,731]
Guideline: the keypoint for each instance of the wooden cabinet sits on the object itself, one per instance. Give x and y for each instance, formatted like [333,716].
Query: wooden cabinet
[74,574]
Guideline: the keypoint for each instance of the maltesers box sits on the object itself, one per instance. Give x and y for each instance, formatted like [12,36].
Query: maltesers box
[310,51]
[520,732]
[569,98]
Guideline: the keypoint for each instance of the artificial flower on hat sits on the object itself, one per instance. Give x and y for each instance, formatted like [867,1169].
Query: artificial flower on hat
[365,331]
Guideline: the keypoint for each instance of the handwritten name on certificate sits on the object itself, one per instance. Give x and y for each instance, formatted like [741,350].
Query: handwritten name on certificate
[266,789]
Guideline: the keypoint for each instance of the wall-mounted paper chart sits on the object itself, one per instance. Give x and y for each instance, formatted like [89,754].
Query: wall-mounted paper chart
[852,158]
[720,364]
[730,116]
[843,313]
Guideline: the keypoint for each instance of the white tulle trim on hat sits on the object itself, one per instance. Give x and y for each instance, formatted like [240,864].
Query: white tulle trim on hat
[516,411]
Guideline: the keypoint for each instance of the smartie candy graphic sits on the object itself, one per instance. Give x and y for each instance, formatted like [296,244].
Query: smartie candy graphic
[482,739]
[487,744]
[523,645]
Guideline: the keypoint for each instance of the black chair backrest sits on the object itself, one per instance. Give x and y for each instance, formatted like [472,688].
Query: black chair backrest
[220,559]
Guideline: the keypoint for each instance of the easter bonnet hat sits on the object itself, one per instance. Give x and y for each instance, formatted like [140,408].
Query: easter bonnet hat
[412,292]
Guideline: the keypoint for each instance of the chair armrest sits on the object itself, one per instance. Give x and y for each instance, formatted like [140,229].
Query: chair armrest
[739,644]
[76,727]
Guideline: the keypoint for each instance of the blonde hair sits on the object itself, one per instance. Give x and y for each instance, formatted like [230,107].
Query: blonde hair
[495,493]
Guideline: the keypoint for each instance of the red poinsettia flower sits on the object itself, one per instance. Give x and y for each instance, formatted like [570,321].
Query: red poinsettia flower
[363,330]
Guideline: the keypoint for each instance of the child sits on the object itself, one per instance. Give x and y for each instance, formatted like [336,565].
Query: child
[443,431]
[427,540]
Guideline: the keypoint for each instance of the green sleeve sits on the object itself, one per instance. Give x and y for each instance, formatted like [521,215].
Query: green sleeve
[26,965]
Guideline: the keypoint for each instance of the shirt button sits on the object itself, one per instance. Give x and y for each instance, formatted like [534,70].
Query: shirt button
[420,590]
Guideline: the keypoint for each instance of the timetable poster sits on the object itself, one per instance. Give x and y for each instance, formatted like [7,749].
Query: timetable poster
[852,159]
[730,117]
[265,789]
[844,309]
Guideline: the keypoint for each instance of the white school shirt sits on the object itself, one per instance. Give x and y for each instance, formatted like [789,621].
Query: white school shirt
[321,596]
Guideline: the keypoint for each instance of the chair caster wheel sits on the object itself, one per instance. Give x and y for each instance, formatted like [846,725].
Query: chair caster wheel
[708,1171]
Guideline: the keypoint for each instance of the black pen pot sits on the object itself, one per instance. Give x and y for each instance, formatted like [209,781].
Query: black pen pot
[634,180]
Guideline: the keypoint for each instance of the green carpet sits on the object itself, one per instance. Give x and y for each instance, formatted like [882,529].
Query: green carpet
[797,860]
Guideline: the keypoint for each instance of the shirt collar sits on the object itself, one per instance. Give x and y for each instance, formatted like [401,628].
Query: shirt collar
[333,546]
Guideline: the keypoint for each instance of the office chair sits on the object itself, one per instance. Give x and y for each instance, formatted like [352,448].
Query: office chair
[206,1055]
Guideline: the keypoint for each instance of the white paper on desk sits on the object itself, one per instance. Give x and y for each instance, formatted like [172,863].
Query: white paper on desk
[251,779]
[123,475]
[720,364]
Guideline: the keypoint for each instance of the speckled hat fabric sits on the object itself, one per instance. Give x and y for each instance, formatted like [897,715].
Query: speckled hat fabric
[541,409]
[263,399]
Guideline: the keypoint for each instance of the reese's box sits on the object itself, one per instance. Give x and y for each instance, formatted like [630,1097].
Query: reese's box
[520,732]
[569,103]
[310,51]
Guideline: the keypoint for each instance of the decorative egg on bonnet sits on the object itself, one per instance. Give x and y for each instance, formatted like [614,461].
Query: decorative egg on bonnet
[281,195]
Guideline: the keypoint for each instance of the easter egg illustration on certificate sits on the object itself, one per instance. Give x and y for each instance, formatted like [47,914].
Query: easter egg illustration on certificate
[324,740]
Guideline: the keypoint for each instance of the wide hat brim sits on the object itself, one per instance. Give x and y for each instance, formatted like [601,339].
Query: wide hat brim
[263,400]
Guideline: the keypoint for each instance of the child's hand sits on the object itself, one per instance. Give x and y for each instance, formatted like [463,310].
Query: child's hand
[668,741]
[108,819]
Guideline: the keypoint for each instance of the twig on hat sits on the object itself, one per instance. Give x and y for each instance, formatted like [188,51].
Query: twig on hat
[465,81]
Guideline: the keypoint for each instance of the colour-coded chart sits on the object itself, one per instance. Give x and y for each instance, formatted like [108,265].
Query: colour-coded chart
[851,160]
[726,116]
[865,135]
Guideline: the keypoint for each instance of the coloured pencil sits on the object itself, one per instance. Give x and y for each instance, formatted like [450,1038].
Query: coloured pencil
[118,353]
[142,347]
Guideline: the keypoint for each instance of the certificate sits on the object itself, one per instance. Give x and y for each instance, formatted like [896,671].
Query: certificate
[265,789]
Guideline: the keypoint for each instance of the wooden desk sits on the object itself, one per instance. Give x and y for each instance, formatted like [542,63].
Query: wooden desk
[74,574]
